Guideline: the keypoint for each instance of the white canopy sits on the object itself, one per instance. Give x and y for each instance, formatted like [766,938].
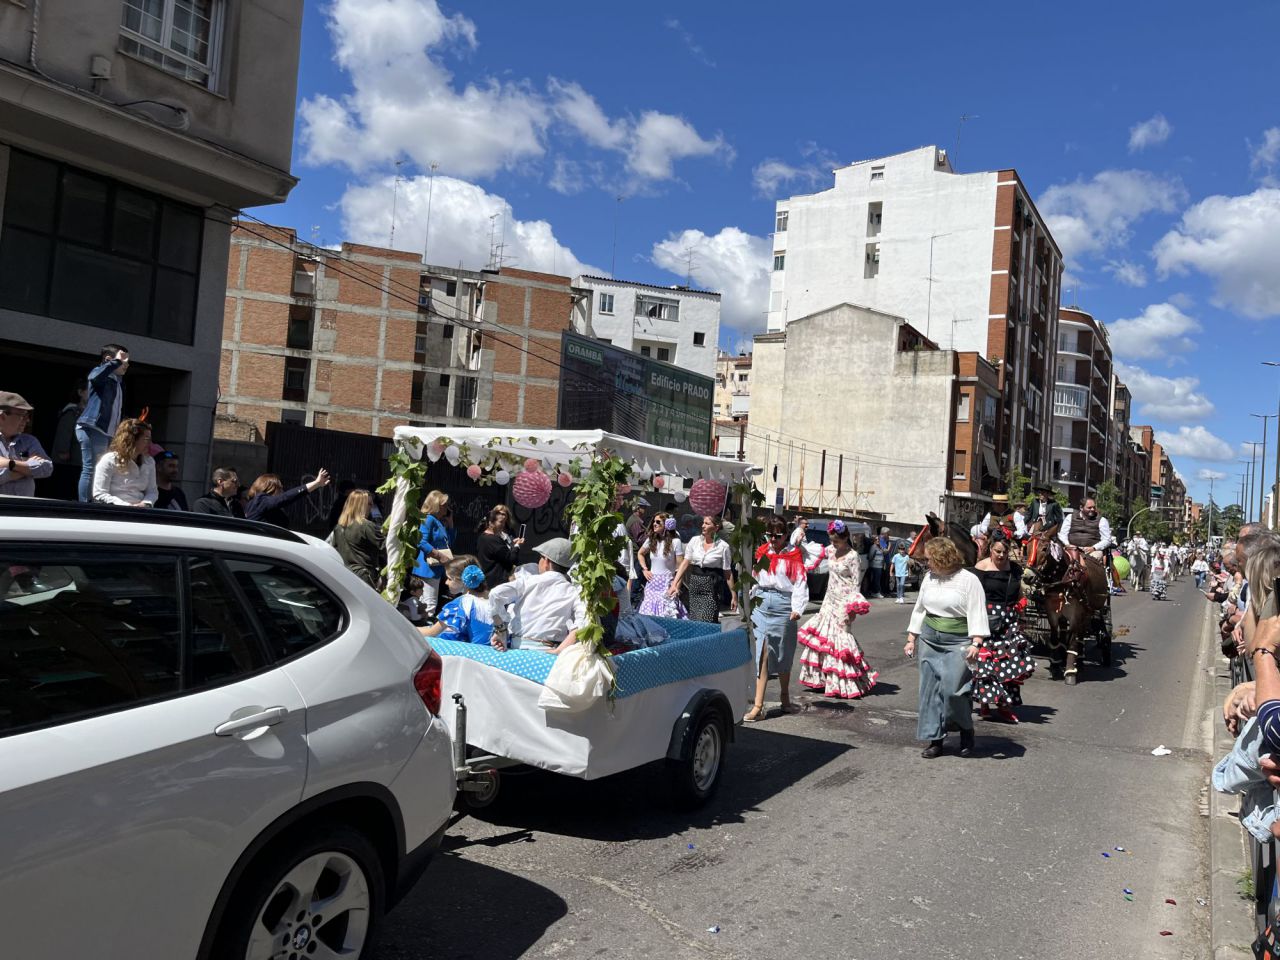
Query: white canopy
[559,448]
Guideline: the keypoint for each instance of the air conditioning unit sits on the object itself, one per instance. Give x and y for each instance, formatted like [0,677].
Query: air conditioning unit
[942,158]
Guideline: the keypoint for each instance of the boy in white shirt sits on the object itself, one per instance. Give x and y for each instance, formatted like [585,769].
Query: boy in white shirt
[543,608]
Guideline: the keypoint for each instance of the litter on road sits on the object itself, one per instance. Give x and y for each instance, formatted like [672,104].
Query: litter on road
[1161,751]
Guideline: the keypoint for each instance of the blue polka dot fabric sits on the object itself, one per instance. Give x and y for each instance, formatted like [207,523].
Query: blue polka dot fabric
[694,649]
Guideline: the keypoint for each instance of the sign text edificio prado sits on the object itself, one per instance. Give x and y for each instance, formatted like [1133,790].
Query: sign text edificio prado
[661,381]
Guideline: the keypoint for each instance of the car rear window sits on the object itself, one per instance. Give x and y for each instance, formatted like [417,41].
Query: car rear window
[295,612]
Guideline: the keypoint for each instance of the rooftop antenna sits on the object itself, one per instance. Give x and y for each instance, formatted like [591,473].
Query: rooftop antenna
[431,189]
[395,195]
[687,255]
[613,260]
[964,117]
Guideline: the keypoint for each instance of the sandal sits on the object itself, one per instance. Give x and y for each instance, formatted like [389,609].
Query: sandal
[754,715]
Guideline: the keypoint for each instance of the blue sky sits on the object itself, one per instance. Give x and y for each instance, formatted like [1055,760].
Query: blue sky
[1149,136]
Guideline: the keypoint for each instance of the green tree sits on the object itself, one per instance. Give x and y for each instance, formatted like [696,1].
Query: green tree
[1111,503]
[1149,523]
[1019,486]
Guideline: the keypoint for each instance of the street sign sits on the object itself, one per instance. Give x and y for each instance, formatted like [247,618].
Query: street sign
[777,499]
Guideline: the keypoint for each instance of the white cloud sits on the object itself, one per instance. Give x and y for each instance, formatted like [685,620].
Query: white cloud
[1149,133]
[1204,473]
[1265,156]
[1196,443]
[404,103]
[460,225]
[690,43]
[1127,272]
[732,262]
[1165,398]
[1090,216]
[772,173]
[1233,240]
[1158,330]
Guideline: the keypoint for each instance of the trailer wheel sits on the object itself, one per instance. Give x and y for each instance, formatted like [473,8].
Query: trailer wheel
[695,777]
[471,801]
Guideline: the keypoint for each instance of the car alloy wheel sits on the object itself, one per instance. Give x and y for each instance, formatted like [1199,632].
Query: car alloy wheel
[319,908]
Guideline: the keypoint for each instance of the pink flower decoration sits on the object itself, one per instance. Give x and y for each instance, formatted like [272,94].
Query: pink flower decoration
[857,608]
[532,489]
[565,480]
[474,471]
[658,483]
[531,464]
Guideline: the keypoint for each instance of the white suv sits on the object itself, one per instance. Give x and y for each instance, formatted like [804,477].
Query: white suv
[215,741]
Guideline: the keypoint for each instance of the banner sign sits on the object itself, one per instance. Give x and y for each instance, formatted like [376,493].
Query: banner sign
[604,387]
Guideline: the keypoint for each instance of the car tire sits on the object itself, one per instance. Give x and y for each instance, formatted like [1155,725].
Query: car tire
[695,778]
[272,914]
[473,801]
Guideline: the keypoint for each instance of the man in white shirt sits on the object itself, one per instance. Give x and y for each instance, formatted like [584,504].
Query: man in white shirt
[22,459]
[543,608]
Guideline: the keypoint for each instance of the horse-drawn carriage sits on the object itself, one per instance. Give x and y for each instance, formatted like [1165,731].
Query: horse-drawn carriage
[1066,605]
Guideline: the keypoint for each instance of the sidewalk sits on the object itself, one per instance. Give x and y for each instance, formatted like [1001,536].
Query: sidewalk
[1232,924]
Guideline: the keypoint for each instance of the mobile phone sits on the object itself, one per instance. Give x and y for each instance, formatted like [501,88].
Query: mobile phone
[521,537]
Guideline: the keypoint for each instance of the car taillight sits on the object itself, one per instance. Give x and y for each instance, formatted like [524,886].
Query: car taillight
[427,681]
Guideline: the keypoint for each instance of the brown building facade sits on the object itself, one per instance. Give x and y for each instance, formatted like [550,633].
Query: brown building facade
[1082,405]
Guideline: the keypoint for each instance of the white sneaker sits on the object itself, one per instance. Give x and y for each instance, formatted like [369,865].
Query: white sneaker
[900,600]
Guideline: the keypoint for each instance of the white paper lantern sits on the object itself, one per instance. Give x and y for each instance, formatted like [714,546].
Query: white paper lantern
[434,449]
[502,477]
[452,454]
[680,496]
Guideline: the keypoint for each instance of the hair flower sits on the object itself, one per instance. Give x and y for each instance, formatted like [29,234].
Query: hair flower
[670,523]
[835,526]
[473,577]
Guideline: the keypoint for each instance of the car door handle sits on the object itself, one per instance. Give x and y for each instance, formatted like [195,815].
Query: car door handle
[265,718]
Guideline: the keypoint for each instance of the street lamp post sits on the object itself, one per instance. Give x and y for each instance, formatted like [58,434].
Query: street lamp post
[1275,495]
[1262,465]
[1253,445]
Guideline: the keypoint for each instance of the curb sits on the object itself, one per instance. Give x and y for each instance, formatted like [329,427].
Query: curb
[1232,927]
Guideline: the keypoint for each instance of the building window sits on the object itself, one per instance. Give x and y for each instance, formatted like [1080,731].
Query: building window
[656,308]
[299,335]
[699,339]
[961,468]
[444,379]
[875,217]
[742,377]
[293,416]
[447,333]
[606,303]
[451,288]
[90,250]
[877,173]
[779,261]
[871,261]
[962,408]
[296,373]
[781,225]
[178,36]
[646,352]
[664,354]
[419,344]
[465,397]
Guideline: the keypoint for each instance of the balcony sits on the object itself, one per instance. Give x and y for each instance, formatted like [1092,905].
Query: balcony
[1070,401]
[304,283]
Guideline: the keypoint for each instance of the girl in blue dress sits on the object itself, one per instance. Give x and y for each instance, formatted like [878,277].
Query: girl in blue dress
[467,618]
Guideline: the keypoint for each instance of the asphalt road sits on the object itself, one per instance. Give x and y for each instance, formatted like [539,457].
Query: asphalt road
[832,837]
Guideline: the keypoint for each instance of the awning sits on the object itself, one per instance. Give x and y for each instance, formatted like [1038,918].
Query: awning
[989,463]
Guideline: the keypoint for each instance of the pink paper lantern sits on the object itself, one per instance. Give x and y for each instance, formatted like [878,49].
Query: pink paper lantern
[474,471]
[707,497]
[532,464]
[565,480]
[624,489]
[659,483]
[532,489]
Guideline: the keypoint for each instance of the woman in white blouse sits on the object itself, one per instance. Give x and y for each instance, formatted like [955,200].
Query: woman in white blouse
[706,565]
[783,588]
[660,558]
[126,474]
[950,621]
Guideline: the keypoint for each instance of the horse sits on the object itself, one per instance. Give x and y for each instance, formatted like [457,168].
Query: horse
[958,535]
[1076,604]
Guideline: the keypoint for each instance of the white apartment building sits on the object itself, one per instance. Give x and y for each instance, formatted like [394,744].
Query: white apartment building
[677,325]
[733,386]
[964,258]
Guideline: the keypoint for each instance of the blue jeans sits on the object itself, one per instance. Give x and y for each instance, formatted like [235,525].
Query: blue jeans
[902,586]
[93,444]
[1199,579]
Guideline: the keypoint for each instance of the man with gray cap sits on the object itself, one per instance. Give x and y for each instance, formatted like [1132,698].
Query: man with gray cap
[543,608]
[22,459]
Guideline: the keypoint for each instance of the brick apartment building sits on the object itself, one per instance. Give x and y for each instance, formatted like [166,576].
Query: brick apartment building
[363,339]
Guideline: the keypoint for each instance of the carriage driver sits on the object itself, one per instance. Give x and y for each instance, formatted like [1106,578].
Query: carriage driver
[1085,530]
[981,531]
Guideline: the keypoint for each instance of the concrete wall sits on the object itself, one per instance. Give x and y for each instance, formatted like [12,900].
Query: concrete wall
[888,412]
[250,108]
[828,232]
[699,312]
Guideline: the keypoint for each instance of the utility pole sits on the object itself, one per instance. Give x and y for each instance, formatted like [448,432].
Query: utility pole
[1275,492]
[928,313]
[613,260]
[1253,471]
[1209,535]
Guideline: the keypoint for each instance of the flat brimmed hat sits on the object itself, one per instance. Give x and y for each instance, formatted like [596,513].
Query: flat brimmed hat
[558,550]
[1043,488]
[999,498]
[13,401]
